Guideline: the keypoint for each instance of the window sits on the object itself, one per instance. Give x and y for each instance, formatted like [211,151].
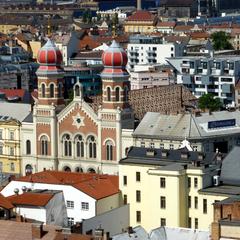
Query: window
[152,145]
[67,145]
[195,148]
[196,202]
[189,202]
[51,90]
[28,147]
[162,202]
[108,94]
[70,204]
[163,222]
[171,147]
[138,176]
[117,94]
[70,221]
[124,199]
[162,182]
[196,223]
[204,205]
[138,216]
[92,147]
[161,146]
[125,94]
[189,222]
[11,151]
[1,149]
[43,90]
[11,135]
[195,182]
[109,150]
[85,206]
[12,167]
[44,145]
[125,180]
[143,144]
[1,134]
[138,196]
[79,146]
[189,182]
[60,90]
[77,91]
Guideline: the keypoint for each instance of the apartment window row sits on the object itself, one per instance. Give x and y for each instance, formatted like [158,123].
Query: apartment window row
[11,135]
[11,150]
[161,146]
[195,182]
[70,204]
[195,223]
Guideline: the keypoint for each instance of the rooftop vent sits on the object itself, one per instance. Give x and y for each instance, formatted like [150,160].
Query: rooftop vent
[150,152]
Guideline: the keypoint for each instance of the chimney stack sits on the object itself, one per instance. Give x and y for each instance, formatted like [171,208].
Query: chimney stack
[139,5]
[37,231]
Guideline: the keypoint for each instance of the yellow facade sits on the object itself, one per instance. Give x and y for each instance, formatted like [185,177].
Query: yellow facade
[177,212]
[10,157]
[7,28]
[140,27]
[35,47]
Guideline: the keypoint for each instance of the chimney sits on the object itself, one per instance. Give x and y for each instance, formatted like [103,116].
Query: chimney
[37,231]
[139,5]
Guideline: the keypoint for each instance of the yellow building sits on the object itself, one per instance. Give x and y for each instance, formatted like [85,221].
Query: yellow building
[140,22]
[10,157]
[164,187]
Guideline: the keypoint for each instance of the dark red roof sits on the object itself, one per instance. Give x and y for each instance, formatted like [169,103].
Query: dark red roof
[13,92]
[141,16]
[5,203]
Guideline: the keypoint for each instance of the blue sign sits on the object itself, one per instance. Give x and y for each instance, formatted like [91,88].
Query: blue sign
[222,123]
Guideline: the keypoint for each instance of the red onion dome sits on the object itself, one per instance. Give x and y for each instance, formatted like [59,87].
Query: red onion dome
[49,54]
[114,56]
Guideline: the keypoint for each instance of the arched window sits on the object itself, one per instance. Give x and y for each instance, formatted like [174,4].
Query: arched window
[109,150]
[77,91]
[91,170]
[117,94]
[12,167]
[78,169]
[51,90]
[28,147]
[67,145]
[60,90]
[28,169]
[44,145]
[43,90]
[67,169]
[92,147]
[79,146]
[125,94]
[108,94]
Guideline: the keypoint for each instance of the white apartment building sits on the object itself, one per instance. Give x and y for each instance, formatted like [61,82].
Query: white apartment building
[146,76]
[151,50]
[216,75]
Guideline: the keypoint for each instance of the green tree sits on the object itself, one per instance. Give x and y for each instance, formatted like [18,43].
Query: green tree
[221,41]
[207,101]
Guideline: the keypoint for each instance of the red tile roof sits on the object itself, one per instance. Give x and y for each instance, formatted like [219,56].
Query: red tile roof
[141,16]
[31,199]
[166,24]
[5,203]
[13,92]
[95,185]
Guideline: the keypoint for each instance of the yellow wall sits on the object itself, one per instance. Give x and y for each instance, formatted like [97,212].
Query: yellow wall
[4,28]
[6,159]
[176,192]
[141,27]
[108,203]
[35,46]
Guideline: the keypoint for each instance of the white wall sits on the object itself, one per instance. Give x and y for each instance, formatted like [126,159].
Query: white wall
[70,193]
[36,213]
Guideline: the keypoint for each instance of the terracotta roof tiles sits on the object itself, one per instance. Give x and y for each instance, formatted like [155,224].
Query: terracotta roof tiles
[5,203]
[95,185]
[141,16]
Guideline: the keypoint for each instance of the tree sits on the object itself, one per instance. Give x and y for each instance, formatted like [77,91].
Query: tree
[221,41]
[207,101]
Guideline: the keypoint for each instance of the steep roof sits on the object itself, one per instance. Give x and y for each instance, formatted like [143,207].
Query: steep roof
[141,15]
[31,199]
[95,185]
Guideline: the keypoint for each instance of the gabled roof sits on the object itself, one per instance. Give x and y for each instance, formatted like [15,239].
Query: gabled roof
[31,199]
[5,203]
[96,186]
[141,15]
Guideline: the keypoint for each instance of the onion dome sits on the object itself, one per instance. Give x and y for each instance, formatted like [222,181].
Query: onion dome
[49,57]
[114,60]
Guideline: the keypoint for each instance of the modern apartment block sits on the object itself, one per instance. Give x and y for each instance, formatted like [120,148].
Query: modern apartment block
[216,75]
[151,50]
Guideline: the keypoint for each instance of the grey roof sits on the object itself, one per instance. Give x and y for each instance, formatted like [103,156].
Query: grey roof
[225,190]
[174,161]
[18,111]
[229,200]
[28,118]
[157,125]
[231,168]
